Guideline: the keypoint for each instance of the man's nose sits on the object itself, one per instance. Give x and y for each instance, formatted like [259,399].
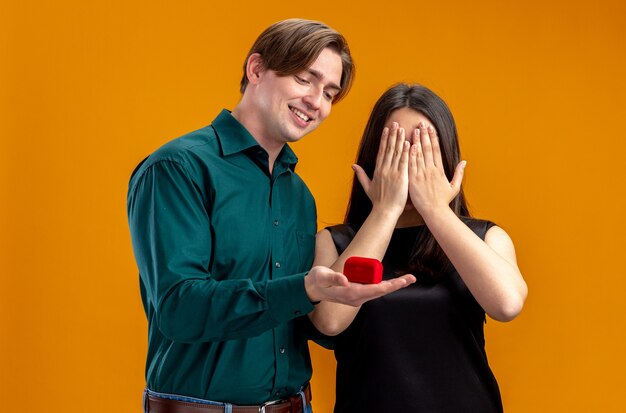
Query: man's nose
[314,98]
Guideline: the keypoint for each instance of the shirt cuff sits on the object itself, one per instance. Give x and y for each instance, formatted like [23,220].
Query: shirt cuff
[287,298]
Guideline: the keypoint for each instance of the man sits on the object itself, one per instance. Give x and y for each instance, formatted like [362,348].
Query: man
[223,233]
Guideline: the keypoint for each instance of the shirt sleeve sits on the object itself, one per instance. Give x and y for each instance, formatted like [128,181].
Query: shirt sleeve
[170,230]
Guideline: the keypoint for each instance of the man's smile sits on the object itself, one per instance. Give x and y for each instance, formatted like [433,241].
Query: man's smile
[305,117]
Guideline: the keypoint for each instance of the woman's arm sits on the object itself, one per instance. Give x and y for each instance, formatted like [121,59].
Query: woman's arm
[388,192]
[488,268]
[371,241]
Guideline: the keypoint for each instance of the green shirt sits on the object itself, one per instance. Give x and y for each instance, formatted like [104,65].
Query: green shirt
[222,248]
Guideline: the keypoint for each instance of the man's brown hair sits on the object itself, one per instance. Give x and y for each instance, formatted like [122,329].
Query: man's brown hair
[291,46]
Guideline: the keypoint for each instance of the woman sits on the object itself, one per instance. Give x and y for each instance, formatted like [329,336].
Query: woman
[420,349]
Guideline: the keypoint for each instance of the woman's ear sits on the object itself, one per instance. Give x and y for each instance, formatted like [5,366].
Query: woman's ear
[254,68]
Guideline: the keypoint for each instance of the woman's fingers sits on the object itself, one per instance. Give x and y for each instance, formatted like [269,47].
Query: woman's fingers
[363,179]
[427,149]
[398,150]
[391,145]
[382,148]
[412,161]
[434,140]
[459,172]
[416,162]
[404,159]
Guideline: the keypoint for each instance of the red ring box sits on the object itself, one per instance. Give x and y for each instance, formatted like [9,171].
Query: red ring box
[363,270]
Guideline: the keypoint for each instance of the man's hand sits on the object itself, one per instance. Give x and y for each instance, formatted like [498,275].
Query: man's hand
[324,284]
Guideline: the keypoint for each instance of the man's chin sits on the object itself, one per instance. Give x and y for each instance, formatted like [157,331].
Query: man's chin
[295,136]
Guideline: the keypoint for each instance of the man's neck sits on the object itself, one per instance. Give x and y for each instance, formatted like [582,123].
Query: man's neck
[250,121]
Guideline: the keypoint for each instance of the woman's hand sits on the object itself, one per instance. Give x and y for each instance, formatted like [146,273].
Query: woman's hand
[389,186]
[489,267]
[429,187]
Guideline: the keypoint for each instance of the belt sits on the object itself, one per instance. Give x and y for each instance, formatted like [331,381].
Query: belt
[156,404]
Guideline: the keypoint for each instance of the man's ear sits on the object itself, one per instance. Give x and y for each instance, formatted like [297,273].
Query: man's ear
[254,68]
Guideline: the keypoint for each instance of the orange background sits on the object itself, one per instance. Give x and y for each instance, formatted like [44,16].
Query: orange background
[87,89]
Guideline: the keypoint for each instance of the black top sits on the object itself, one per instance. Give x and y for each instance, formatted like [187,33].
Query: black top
[420,349]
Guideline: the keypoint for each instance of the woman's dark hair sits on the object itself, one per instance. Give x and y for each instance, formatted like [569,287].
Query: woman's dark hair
[427,257]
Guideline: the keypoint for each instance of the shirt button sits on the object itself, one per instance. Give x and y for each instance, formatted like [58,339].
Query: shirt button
[275,222]
[282,350]
[277,264]
[297,312]
[278,394]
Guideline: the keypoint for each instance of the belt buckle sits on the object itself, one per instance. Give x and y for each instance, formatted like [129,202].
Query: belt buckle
[264,405]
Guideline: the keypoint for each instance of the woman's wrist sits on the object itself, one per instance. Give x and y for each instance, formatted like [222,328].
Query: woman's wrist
[385,213]
[434,215]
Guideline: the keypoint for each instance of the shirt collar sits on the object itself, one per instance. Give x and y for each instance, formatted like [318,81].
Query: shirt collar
[234,138]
